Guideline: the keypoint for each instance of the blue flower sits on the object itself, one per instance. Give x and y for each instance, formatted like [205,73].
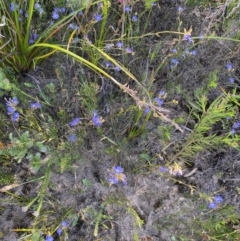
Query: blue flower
[229,67]
[118,169]
[161,92]
[179,9]
[55,15]
[201,36]
[15,116]
[236,125]
[153,4]
[59,231]
[108,46]
[147,110]
[193,52]
[231,80]
[63,10]
[10,110]
[98,17]
[13,6]
[74,122]
[112,179]
[107,64]
[128,50]
[174,62]
[49,238]
[119,45]
[37,6]
[35,105]
[96,119]
[64,223]
[127,9]
[187,37]
[117,68]
[174,51]
[218,199]
[212,205]
[159,101]
[134,18]
[163,169]
[72,138]
[73,26]
[14,101]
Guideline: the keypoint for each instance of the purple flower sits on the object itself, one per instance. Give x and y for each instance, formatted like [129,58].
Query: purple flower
[55,15]
[201,36]
[13,6]
[119,45]
[147,110]
[10,110]
[117,68]
[218,199]
[98,17]
[180,9]
[236,125]
[118,169]
[35,105]
[64,223]
[163,169]
[174,51]
[63,10]
[193,52]
[229,67]
[233,131]
[212,205]
[231,80]
[73,26]
[153,4]
[128,50]
[127,9]
[187,38]
[161,92]
[112,179]
[15,116]
[159,101]
[59,231]
[107,64]
[37,6]
[108,46]
[14,101]
[96,119]
[74,122]
[49,238]
[174,62]
[134,18]
[72,138]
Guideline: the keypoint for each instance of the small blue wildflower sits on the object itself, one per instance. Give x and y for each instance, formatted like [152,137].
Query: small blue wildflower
[15,116]
[174,51]
[117,68]
[59,231]
[179,9]
[118,169]
[14,101]
[236,125]
[74,122]
[73,26]
[108,46]
[98,17]
[229,67]
[72,138]
[64,223]
[55,15]
[10,110]
[13,6]
[80,13]
[127,9]
[231,80]
[163,169]
[37,6]
[174,63]
[159,101]
[40,10]
[201,36]
[96,119]
[147,110]
[112,179]
[218,199]
[134,18]
[153,4]
[193,52]
[35,105]
[233,132]
[187,37]
[63,10]
[128,50]
[49,238]
[119,45]
[35,36]
[108,64]
[212,205]
[161,92]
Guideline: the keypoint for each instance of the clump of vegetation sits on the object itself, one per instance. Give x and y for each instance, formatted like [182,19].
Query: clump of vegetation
[99,110]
